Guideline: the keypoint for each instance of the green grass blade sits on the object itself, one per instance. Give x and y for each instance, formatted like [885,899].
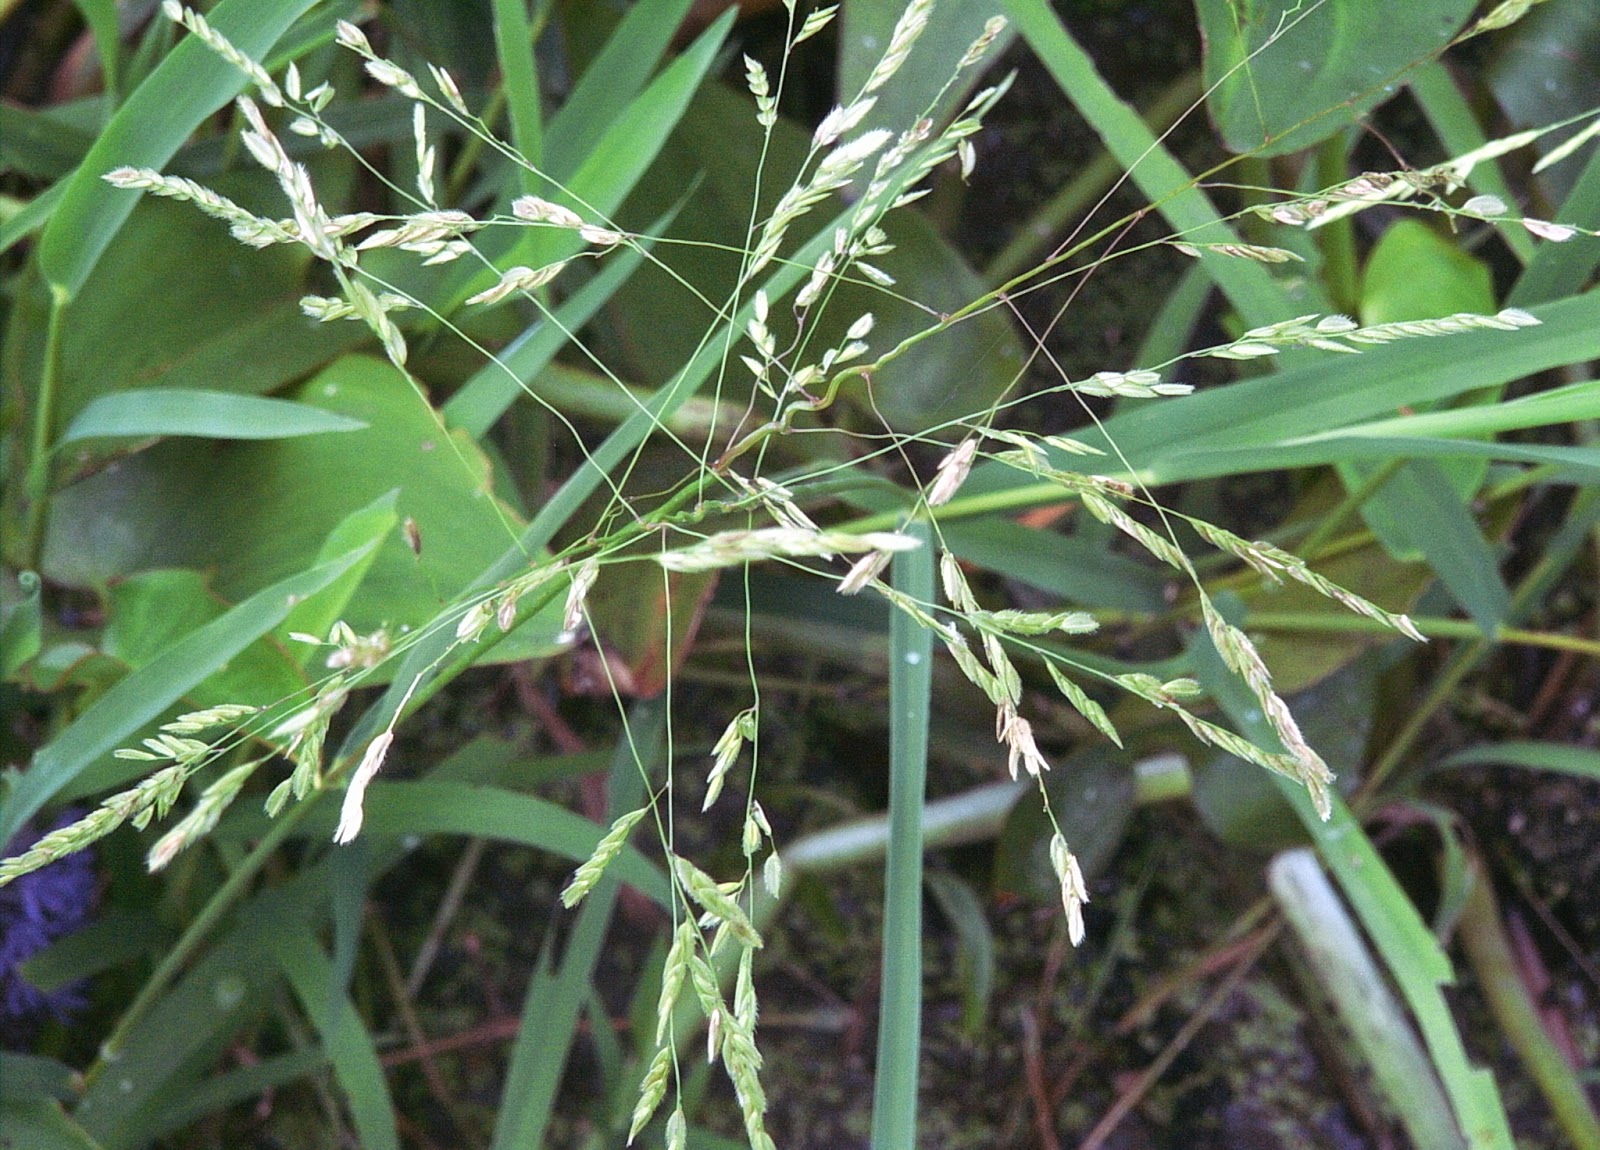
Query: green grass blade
[633,140]
[1456,125]
[119,935]
[44,144]
[610,82]
[246,1084]
[555,1001]
[1560,270]
[1580,762]
[149,691]
[21,624]
[188,86]
[437,807]
[894,1099]
[519,76]
[1153,168]
[33,215]
[1414,959]
[1408,948]
[1439,523]
[344,1037]
[179,1038]
[1502,972]
[1171,440]
[483,399]
[964,910]
[1338,956]
[1576,401]
[1581,464]
[101,16]
[198,412]
[614,164]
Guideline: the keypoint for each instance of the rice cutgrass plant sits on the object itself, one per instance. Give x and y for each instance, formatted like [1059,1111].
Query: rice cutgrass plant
[729,507]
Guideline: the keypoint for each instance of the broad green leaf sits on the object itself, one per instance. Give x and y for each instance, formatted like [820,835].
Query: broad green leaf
[152,610]
[118,714]
[72,665]
[1284,75]
[656,325]
[264,508]
[959,371]
[189,85]
[1544,74]
[208,414]
[1414,272]
[316,614]
[491,761]
[176,302]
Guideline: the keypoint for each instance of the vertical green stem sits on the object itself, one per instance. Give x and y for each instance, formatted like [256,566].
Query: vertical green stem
[894,1103]
[44,415]
[1484,939]
[1340,269]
